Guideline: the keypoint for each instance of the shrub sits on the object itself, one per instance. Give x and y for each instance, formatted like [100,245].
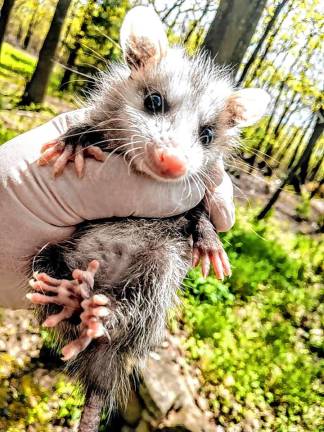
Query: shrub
[256,336]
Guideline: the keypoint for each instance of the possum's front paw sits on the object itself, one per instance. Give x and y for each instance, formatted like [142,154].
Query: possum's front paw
[61,153]
[210,251]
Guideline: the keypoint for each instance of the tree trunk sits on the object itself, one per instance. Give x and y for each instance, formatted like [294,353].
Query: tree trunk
[317,132]
[261,40]
[30,28]
[231,31]
[317,189]
[285,147]
[66,35]
[316,169]
[77,45]
[266,139]
[299,167]
[283,115]
[4,18]
[36,87]
[268,47]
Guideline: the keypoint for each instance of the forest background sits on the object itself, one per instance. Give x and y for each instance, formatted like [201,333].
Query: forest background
[257,339]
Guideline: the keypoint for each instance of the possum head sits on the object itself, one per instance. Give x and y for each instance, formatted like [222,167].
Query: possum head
[171,115]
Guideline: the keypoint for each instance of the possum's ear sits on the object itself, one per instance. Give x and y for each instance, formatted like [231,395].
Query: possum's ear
[142,38]
[245,107]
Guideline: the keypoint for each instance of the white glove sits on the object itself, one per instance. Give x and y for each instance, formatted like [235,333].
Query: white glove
[220,203]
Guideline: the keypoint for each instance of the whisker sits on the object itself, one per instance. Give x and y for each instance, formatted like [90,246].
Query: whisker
[131,161]
[97,54]
[109,38]
[75,71]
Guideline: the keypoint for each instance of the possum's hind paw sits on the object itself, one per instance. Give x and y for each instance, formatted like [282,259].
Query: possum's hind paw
[75,298]
[213,255]
[55,291]
[61,153]
[94,309]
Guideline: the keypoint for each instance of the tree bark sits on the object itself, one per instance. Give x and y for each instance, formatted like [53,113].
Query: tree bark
[77,45]
[30,28]
[4,18]
[36,87]
[269,45]
[299,167]
[317,132]
[231,31]
[261,40]
[317,189]
[316,169]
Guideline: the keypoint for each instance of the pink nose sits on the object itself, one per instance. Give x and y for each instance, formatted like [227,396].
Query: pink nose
[169,163]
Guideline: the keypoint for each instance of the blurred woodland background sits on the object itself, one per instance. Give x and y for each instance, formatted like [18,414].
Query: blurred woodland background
[256,340]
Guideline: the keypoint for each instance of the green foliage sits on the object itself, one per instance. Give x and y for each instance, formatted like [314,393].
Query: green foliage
[257,336]
[38,399]
[6,134]
[304,207]
[100,44]
[32,397]
[16,67]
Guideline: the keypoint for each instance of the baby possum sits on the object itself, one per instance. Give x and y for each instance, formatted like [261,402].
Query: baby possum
[172,117]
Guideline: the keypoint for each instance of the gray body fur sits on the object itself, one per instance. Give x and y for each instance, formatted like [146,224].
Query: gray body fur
[142,265]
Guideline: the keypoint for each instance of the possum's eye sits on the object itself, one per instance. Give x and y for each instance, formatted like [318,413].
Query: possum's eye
[206,135]
[154,103]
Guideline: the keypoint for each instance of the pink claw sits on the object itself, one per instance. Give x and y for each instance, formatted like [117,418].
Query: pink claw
[195,257]
[225,262]
[205,265]
[62,161]
[62,154]
[216,257]
[49,152]
[217,265]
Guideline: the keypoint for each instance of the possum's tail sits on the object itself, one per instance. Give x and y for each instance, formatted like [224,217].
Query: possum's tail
[90,418]
[107,375]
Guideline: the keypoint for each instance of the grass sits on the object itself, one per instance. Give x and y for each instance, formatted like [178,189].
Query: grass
[258,336]
[16,67]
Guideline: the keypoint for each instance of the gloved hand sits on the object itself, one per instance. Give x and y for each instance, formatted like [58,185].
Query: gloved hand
[219,199]
[36,208]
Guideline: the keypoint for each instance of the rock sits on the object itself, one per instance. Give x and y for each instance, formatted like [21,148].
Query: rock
[202,403]
[133,411]
[160,388]
[188,419]
[168,390]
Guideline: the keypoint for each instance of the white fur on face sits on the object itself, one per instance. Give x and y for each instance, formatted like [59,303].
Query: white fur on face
[198,94]
[195,92]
